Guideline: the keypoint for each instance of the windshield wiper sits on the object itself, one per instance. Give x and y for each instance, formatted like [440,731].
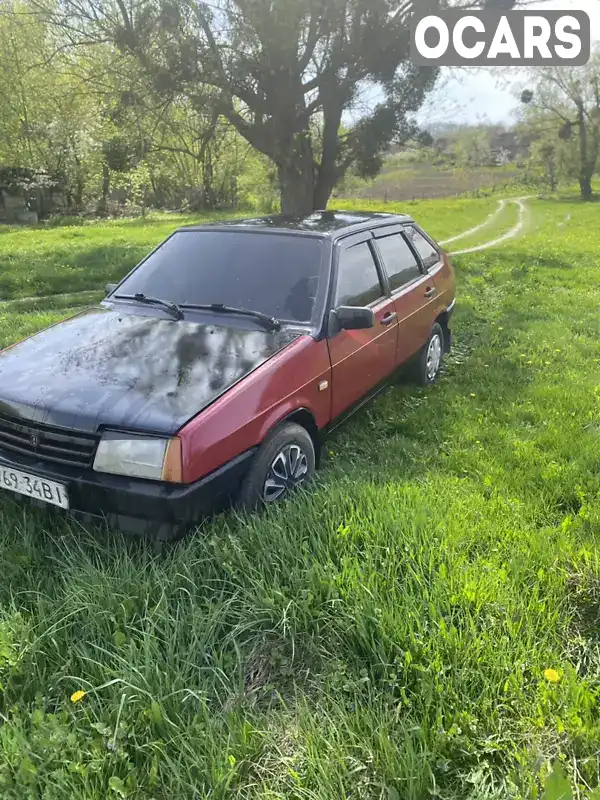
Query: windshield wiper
[173,308]
[272,323]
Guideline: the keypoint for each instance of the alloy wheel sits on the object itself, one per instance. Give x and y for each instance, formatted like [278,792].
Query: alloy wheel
[287,471]
[434,357]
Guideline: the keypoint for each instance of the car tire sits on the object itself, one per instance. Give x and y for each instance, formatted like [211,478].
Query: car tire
[428,363]
[284,462]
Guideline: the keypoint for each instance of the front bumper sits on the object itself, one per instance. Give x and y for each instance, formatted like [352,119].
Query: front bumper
[134,504]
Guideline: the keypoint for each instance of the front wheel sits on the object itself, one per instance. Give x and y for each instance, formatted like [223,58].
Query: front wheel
[429,361]
[285,462]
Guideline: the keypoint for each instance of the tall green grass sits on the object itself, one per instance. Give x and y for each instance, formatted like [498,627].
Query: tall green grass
[387,635]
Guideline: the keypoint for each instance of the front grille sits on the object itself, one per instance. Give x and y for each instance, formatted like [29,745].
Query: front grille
[47,443]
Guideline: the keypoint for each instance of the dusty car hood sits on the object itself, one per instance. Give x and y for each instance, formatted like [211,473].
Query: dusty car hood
[109,367]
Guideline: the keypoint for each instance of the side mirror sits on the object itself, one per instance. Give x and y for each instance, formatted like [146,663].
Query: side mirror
[110,287]
[355,318]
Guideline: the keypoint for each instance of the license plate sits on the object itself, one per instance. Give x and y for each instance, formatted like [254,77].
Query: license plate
[33,486]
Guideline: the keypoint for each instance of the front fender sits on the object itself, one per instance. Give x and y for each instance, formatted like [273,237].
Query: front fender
[243,417]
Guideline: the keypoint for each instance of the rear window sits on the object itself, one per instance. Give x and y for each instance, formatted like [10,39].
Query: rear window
[275,274]
[430,255]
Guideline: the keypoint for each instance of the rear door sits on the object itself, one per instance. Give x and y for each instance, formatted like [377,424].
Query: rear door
[410,287]
[432,261]
[360,360]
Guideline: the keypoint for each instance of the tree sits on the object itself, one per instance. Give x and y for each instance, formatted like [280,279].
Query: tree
[569,98]
[48,119]
[550,160]
[473,147]
[82,122]
[278,70]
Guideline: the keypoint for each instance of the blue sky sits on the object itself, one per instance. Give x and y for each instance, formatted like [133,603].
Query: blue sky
[478,95]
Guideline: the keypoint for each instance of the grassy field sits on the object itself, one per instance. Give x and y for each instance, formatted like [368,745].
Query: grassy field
[76,258]
[425,624]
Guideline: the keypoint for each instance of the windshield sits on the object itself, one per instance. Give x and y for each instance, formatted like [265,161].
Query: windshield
[275,274]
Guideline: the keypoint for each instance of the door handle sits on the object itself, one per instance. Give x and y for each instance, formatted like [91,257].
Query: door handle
[389,318]
[431,293]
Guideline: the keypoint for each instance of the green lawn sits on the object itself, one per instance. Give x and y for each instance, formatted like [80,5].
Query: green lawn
[386,637]
[50,261]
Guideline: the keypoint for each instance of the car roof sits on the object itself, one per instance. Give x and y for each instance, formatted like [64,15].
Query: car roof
[332,224]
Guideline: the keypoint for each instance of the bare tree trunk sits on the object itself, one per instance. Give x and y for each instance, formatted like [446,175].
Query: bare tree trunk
[78,195]
[296,173]
[208,190]
[328,176]
[328,179]
[585,184]
[585,174]
[205,157]
[329,173]
[103,205]
[39,202]
[296,190]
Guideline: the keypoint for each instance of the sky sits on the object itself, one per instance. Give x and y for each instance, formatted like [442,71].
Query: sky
[477,95]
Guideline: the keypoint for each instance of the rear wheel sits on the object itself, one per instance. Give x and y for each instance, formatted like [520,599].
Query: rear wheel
[285,462]
[429,361]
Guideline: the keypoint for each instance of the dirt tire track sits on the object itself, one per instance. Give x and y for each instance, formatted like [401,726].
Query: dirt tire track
[512,234]
[501,206]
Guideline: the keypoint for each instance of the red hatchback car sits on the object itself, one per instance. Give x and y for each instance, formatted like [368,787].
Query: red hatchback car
[212,371]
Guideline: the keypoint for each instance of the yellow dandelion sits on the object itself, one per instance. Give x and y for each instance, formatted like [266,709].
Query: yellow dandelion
[78,695]
[551,675]
[473,395]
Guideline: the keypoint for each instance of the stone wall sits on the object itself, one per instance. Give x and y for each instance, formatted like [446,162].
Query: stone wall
[27,195]
[13,208]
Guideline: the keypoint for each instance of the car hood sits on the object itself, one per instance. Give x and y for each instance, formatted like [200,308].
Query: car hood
[107,367]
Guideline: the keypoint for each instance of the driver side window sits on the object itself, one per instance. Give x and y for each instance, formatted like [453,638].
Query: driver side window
[358,282]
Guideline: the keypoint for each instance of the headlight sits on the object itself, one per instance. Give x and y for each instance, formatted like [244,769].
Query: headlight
[140,456]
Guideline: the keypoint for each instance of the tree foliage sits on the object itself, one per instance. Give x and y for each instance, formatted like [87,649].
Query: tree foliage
[144,97]
[276,70]
[565,103]
[86,126]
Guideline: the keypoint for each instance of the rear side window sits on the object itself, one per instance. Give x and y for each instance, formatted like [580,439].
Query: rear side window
[399,261]
[428,253]
[358,281]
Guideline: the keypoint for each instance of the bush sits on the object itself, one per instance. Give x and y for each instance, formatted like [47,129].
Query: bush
[64,221]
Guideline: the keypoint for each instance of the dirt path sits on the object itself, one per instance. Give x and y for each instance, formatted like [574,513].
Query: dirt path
[501,206]
[513,233]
